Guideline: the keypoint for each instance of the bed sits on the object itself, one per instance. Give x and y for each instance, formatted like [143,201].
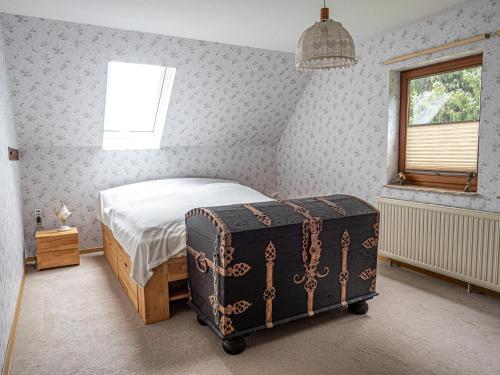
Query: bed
[144,235]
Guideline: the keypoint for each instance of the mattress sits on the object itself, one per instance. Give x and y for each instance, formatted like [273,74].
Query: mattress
[147,218]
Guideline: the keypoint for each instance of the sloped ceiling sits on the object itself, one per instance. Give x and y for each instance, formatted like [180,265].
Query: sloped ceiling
[223,94]
[274,24]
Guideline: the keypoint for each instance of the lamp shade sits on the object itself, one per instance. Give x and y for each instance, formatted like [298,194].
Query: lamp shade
[325,45]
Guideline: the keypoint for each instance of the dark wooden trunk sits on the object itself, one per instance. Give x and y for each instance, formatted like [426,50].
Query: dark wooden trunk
[279,261]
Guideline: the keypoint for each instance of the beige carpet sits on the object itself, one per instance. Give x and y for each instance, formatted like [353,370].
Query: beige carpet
[77,320]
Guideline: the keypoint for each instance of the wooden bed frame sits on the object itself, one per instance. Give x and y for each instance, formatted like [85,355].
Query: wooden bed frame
[169,281]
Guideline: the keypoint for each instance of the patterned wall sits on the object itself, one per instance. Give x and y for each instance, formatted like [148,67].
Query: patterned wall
[11,224]
[341,138]
[222,94]
[228,108]
[76,174]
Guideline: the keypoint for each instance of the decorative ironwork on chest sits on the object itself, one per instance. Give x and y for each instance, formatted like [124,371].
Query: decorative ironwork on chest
[311,253]
[255,265]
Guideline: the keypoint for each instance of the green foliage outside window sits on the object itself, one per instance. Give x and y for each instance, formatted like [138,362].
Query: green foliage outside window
[447,97]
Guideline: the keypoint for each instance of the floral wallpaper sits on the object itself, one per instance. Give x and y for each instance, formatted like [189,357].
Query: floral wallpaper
[342,137]
[11,222]
[222,94]
[228,108]
[76,174]
[238,113]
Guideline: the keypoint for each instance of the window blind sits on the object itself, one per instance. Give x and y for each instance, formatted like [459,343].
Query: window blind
[451,147]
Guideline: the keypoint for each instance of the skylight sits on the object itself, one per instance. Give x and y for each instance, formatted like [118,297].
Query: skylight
[137,98]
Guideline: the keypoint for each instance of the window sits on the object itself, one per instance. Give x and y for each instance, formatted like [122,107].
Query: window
[137,98]
[439,123]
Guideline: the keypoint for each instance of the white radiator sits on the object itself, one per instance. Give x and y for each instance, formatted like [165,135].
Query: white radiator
[459,243]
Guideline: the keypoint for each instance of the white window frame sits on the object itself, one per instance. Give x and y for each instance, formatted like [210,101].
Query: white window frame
[142,140]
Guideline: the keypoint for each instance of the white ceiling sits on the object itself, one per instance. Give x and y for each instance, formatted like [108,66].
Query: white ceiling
[271,24]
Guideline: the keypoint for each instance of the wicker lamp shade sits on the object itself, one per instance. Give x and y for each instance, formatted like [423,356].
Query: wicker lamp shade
[325,45]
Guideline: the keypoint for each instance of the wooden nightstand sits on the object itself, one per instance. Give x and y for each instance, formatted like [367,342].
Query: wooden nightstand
[56,249]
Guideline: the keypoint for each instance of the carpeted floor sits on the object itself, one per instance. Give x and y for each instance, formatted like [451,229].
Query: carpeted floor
[77,320]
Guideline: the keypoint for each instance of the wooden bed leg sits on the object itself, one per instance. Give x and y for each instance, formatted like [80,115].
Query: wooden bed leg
[154,303]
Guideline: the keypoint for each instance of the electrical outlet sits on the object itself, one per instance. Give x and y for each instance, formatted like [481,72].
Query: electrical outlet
[38,216]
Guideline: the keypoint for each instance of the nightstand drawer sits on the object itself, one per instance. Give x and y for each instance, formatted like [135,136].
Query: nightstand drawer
[60,258]
[64,242]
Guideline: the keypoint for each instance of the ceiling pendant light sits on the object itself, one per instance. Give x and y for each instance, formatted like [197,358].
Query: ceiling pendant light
[325,45]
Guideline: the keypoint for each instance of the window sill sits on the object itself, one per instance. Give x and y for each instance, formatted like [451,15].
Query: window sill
[432,190]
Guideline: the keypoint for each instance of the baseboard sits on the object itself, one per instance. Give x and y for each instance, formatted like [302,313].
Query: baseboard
[90,250]
[439,276]
[13,329]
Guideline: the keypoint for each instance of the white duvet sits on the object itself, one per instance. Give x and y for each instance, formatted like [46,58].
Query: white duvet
[147,218]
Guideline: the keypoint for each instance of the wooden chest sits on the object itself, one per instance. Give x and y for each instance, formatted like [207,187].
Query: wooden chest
[56,249]
[255,266]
